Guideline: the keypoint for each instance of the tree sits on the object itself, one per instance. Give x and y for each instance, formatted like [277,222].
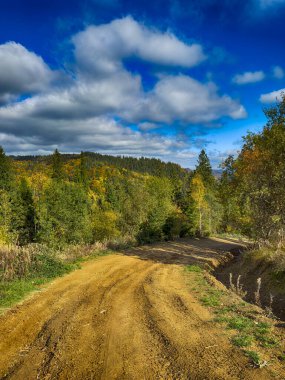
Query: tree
[23,214]
[5,171]
[65,216]
[57,166]
[205,170]
[198,194]
[260,170]
[83,171]
[6,235]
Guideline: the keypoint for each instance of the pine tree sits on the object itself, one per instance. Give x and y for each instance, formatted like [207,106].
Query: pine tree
[23,214]
[204,169]
[83,172]
[5,171]
[57,166]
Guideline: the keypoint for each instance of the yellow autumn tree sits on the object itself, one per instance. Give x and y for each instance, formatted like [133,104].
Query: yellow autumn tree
[200,205]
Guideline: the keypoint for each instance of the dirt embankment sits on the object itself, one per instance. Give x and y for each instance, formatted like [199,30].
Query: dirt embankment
[251,266]
[123,317]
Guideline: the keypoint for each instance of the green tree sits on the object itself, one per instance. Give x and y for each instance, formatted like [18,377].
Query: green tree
[6,174]
[83,170]
[65,214]
[204,169]
[57,166]
[23,214]
[6,235]
[260,171]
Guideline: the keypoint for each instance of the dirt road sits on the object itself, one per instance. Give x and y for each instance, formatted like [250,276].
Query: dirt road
[122,317]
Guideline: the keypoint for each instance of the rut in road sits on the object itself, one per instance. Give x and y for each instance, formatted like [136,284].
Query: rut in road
[118,317]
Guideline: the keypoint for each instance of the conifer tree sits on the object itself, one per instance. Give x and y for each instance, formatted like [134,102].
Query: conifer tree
[5,171]
[23,214]
[83,172]
[204,169]
[57,166]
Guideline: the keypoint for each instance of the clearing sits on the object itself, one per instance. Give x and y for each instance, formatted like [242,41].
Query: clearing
[124,316]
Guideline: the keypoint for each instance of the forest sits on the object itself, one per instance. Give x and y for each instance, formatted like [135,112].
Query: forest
[63,200]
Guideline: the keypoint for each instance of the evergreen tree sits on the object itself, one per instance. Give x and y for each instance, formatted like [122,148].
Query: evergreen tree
[5,171]
[57,166]
[204,169]
[83,171]
[23,214]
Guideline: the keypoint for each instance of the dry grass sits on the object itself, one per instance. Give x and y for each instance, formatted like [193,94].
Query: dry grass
[15,262]
[20,262]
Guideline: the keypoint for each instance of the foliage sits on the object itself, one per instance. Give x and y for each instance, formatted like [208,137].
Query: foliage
[252,185]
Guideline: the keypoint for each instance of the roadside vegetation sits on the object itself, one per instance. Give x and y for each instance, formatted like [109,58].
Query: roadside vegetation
[27,269]
[246,325]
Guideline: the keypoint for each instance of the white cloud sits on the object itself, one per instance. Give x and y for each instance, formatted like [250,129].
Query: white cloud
[99,134]
[21,71]
[101,49]
[278,72]
[249,77]
[83,112]
[272,97]
[182,98]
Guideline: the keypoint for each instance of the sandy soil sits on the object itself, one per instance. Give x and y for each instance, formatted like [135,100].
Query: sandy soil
[122,317]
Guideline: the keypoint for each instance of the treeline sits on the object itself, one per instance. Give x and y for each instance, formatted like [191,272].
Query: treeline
[144,165]
[59,200]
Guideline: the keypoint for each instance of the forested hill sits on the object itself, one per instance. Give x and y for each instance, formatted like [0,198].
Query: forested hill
[142,165]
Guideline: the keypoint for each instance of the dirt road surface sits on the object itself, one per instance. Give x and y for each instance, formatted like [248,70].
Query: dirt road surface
[122,317]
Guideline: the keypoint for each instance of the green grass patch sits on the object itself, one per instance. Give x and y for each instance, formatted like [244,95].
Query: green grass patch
[211,300]
[267,341]
[240,323]
[242,340]
[12,292]
[254,357]
[193,268]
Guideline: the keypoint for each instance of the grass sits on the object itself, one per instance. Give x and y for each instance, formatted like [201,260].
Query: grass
[12,292]
[240,323]
[242,340]
[212,299]
[44,268]
[253,334]
[254,357]
[193,268]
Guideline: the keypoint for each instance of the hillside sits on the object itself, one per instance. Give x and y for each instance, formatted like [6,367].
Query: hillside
[143,165]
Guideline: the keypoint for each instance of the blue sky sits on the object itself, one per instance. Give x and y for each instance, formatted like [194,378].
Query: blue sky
[161,79]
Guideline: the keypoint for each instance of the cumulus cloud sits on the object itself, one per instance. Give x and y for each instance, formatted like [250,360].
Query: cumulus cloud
[182,98]
[278,72]
[249,77]
[21,71]
[99,134]
[101,49]
[272,97]
[96,107]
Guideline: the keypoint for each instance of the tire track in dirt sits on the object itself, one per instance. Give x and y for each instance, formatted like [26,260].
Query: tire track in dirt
[119,317]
